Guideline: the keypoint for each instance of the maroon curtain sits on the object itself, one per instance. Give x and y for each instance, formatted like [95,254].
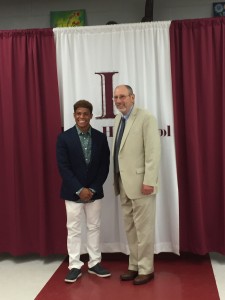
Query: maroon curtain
[32,217]
[198,80]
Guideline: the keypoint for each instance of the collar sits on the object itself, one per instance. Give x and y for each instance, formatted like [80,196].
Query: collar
[81,132]
[128,114]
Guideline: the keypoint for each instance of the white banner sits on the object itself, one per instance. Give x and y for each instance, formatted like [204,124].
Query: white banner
[91,62]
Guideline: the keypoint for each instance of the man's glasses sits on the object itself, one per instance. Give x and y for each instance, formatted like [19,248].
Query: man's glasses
[120,97]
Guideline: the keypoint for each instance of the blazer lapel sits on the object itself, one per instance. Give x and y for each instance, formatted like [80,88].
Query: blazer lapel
[128,126]
[94,145]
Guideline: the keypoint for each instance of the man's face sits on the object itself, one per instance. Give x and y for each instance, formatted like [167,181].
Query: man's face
[82,118]
[123,100]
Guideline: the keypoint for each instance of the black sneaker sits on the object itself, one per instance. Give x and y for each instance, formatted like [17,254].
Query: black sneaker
[99,271]
[73,275]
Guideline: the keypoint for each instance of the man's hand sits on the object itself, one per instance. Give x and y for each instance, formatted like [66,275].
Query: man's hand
[147,189]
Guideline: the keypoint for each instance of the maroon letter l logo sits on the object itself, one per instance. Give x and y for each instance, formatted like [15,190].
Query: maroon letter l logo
[107,93]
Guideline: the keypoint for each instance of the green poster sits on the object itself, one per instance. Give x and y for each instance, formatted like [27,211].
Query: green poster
[69,18]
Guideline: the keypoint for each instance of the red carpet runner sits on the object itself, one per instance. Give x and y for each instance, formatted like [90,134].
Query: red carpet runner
[188,277]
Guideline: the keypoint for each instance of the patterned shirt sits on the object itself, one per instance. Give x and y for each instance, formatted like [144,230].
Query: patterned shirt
[85,139]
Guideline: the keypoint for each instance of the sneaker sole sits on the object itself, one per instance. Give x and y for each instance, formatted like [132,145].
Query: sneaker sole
[72,280]
[99,275]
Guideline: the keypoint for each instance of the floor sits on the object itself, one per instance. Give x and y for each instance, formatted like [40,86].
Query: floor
[185,277]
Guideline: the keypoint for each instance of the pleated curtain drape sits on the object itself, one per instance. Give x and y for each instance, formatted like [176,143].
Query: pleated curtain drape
[91,61]
[32,219]
[198,79]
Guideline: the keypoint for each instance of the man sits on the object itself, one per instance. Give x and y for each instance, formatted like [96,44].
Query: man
[83,162]
[136,164]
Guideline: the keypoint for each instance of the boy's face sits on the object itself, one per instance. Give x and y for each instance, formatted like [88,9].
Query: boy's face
[82,118]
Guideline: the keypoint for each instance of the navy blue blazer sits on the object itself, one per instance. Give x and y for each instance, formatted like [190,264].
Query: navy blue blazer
[73,169]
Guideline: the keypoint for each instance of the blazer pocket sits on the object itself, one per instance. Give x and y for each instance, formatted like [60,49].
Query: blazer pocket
[140,170]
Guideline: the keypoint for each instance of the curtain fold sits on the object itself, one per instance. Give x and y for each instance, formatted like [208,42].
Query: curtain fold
[31,215]
[198,73]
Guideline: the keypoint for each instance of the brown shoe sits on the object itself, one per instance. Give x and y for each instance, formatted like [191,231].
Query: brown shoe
[142,279]
[129,275]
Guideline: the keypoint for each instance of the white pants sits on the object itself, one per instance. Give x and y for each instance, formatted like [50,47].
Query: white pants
[74,213]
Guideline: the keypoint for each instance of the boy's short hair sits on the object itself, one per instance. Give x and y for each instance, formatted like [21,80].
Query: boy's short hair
[83,103]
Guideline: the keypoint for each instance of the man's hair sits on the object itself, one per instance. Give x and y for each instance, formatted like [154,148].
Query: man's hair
[130,90]
[84,104]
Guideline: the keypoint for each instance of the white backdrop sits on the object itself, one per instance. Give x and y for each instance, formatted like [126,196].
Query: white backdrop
[140,54]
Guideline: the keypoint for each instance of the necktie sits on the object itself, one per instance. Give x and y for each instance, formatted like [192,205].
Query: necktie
[117,144]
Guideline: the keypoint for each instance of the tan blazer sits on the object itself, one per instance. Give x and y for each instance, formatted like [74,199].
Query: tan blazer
[139,153]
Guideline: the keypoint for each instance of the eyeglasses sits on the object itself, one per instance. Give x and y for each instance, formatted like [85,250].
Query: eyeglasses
[120,97]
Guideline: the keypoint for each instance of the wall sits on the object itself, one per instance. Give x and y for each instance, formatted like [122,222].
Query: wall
[24,14]
[182,9]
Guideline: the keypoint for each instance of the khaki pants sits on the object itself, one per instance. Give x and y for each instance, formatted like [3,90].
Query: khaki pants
[139,221]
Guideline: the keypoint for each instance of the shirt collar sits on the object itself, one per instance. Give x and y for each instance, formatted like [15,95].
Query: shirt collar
[128,114]
[81,132]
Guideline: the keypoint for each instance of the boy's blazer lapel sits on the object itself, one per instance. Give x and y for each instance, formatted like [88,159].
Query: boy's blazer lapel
[94,145]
